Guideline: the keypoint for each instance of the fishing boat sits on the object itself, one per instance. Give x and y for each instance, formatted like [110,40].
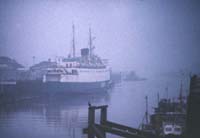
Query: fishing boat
[169,117]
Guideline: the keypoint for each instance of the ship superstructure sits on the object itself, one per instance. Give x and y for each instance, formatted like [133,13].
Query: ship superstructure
[84,69]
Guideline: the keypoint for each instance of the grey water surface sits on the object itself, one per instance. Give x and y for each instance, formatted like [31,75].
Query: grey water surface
[64,116]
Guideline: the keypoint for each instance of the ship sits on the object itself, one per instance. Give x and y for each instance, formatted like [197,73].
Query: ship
[84,73]
[132,76]
[169,117]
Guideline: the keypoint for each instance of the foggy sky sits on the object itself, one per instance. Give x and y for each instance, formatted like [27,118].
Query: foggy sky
[143,35]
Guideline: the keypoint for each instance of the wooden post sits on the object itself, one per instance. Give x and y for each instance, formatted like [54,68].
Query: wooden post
[91,120]
[103,119]
[103,115]
[99,130]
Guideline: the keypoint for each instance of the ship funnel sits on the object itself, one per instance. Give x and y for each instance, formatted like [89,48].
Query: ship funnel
[85,52]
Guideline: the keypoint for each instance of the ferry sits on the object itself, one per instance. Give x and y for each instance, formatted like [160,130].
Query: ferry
[84,73]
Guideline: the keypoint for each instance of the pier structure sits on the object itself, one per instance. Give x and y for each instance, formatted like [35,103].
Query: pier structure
[105,126]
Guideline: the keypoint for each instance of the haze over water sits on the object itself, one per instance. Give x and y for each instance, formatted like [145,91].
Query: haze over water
[64,116]
[156,38]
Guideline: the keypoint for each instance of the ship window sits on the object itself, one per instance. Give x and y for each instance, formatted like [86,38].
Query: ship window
[66,65]
[168,129]
[74,72]
[177,129]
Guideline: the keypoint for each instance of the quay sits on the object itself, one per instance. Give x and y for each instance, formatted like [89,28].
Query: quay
[192,119]
[105,126]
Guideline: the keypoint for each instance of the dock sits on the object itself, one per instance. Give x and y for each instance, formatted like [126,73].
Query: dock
[192,120]
[105,126]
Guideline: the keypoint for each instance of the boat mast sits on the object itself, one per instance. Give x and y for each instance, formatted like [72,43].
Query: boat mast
[181,95]
[147,113]
[166,90]
[73,41]
[90,42]
[158,98]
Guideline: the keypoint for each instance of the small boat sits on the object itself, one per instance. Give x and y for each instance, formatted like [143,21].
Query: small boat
[169,118]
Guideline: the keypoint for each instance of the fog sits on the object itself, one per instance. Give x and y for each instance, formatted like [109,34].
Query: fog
[148,36]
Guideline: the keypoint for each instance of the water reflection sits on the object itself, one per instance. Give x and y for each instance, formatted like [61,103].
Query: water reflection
[64,115]
[58,115]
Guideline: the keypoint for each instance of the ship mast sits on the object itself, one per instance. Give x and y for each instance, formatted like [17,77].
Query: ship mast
[91,47]
[73,42]
[90,42]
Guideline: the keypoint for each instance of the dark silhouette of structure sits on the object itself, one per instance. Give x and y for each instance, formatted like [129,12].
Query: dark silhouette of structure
[193,110]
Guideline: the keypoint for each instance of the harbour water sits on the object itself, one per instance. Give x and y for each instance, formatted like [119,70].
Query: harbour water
[64,116]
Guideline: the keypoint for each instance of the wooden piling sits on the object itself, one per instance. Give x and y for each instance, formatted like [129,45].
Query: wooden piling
[105,126]
[103,119]
[91,120]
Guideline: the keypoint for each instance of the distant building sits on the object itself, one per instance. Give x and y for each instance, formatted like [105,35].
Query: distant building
[9,64]
[38,70]
[9,69]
